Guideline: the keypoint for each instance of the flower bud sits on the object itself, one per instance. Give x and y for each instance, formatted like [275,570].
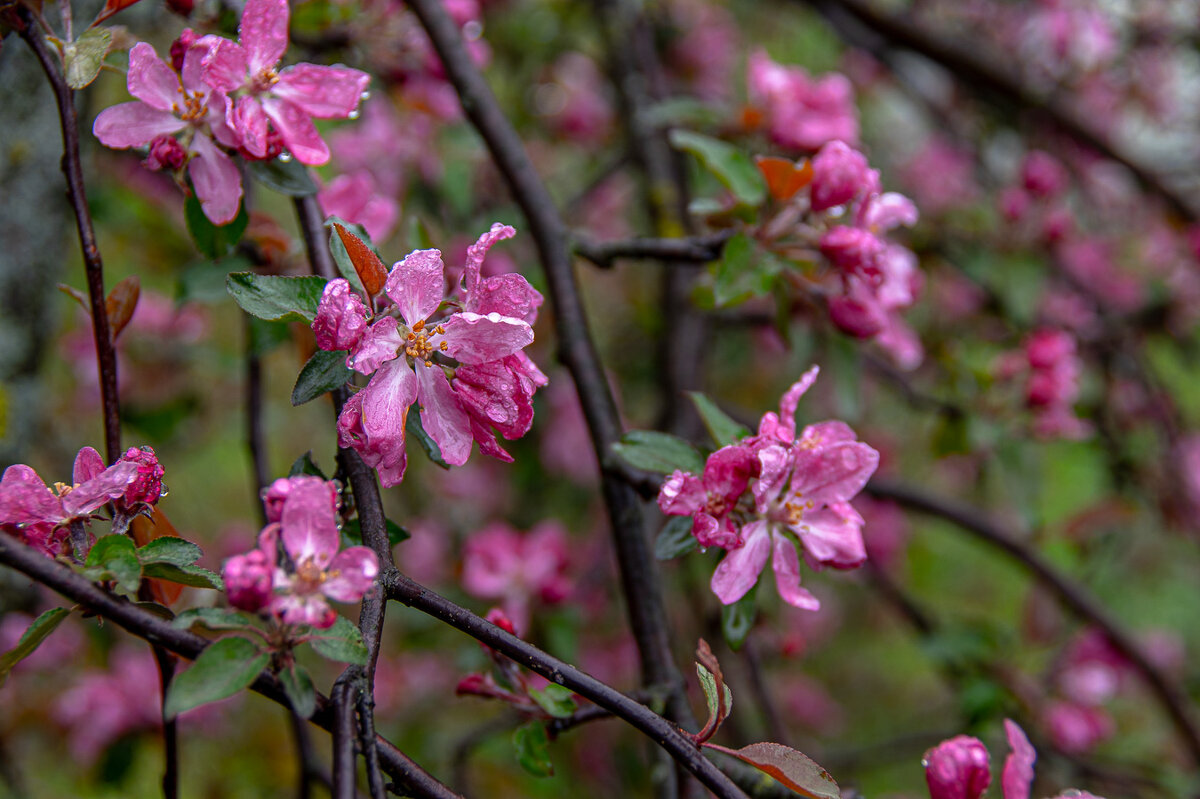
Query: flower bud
[852,250]
[957,769]
[147,487]
[180,46]
[166,153]
[249,580]
[840,174]
[855,317]
[1042,175]
[341,317]
[499,618]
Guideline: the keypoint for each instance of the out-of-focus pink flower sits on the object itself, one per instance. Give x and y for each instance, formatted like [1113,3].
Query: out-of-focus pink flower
[297,592]
[576,100]
[1042,175]
[170,102]
[801,112]
[810,704]
[703,56]
[102,706]
[940,176]
[886,530]
[262,99]
[1077,728]
[1091,264]
[566,448]
[840,174]
[957,769]
[501,563]
[387,146]
[1052,382]
[354,197]
[63,646]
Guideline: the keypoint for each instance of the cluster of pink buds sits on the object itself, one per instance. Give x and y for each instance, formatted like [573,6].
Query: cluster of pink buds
[958,768]
[460,358]
[834,204]
[800,112]
[220,92]
[47,519]
[296,567]
[767,493]
[1051,369]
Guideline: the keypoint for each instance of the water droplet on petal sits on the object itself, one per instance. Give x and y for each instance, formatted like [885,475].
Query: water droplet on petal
[353,114]
[365,96]
[285,157]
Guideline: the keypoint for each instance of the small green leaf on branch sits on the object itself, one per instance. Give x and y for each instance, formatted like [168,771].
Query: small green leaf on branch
[114,558]
[31,639]
[195,576]
[555,699]
[276,298]
[532,746]
[658,452]
[675,538]
[170,549]
[213,241]
[213,619]
[730,165]
[325,371]
[721,426]
[298,686]
[225,667]
[342,642]
[737,619]
[286,177]
[84,56]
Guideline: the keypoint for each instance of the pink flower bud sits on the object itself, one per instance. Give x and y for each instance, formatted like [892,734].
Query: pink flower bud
[341,317]
[1046,348]
[499,618]
[248,580]
[840,174]
[957,769]
[1014,203]
[855,317]
[852,250]
[180,46]
[166,153]
[147,487]
[1042,175]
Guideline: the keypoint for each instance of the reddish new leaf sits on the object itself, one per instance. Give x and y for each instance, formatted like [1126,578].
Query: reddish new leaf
[111,7]
[77,295]
[716,692]
[371,270]
[121,303]
[784,178]
[792,769]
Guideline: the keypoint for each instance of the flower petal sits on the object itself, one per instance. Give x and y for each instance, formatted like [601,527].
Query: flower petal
[443,416]
[324,92]
[832,536]
[786,565]
[417,285]
[1017,776]
[310,609]
[297,131]
[249,123]
[133,125]
[151,80]
[479,250]
[264,33]
[508,295]
[832,474]
[88,464]
[738,571]
[351,574]
[783,427]
[25,499]
[473,339]
[223,64]
[681,494]
[309,521]
[380,343]
[109,484]
[217,180]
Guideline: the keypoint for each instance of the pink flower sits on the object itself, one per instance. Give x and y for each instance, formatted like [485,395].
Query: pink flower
[957,769]
[941,176]
[577,101]
[298,591]
[262,98]
[500,563]
[1042,175]
[354,197]
[1076,728]
[40,517]
[840,175]
[801,112]
[170,103]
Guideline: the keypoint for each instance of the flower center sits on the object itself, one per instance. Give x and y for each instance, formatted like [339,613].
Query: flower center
[309,576]
[419,347]
[264,80]
[793,512]
[717,505]
[192,109]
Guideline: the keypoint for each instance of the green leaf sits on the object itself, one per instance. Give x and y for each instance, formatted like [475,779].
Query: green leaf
[709,684]
[415,428]
[114,557]
[195,576]
[737,619]
[262,336]
[170,549]
[745,271]
[325,371]
[276,298]
[532,745]
[225,667]
[84,56]
[792,769]
[213,619]
[352,530]
[341,642]
[286,177]
[555,699]
[675,538]
[730,165]
[213,241]
[298,686]
[31,639]
[723,428]
[306,465]
[658,452]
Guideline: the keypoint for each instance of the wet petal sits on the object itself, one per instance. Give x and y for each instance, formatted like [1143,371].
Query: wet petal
[309,521]
[222,64]
[88,464]
[249,123]
[351,574]
[1017,776]
[832,474]
[296,128]
[323,92]
[833,536]
[379,344]
[478,251]
[473,339]
[25,499]
[417,285]
[682,494]
[151,80]
[738,572]
[133,125]
[109,484]
[442,416]
[217,180]
[787,576]
[264,33]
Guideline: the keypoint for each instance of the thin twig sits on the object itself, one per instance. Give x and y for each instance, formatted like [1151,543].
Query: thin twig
[106,354]
[688,251]
[639,573]
[1172,699]
[345,769]
[305,756]
[260,470]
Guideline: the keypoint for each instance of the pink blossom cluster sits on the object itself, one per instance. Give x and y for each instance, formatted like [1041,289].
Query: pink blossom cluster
[45,519]
[460,359]
[958,768]
[760,497]
[1051,368]
[220,92]
[844,213]
[296,567]
[800,112]
[502,563]
[703,52]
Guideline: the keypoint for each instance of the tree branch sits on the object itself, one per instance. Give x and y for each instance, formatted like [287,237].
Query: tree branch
[106,354]
[1172,699]
[687,251]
